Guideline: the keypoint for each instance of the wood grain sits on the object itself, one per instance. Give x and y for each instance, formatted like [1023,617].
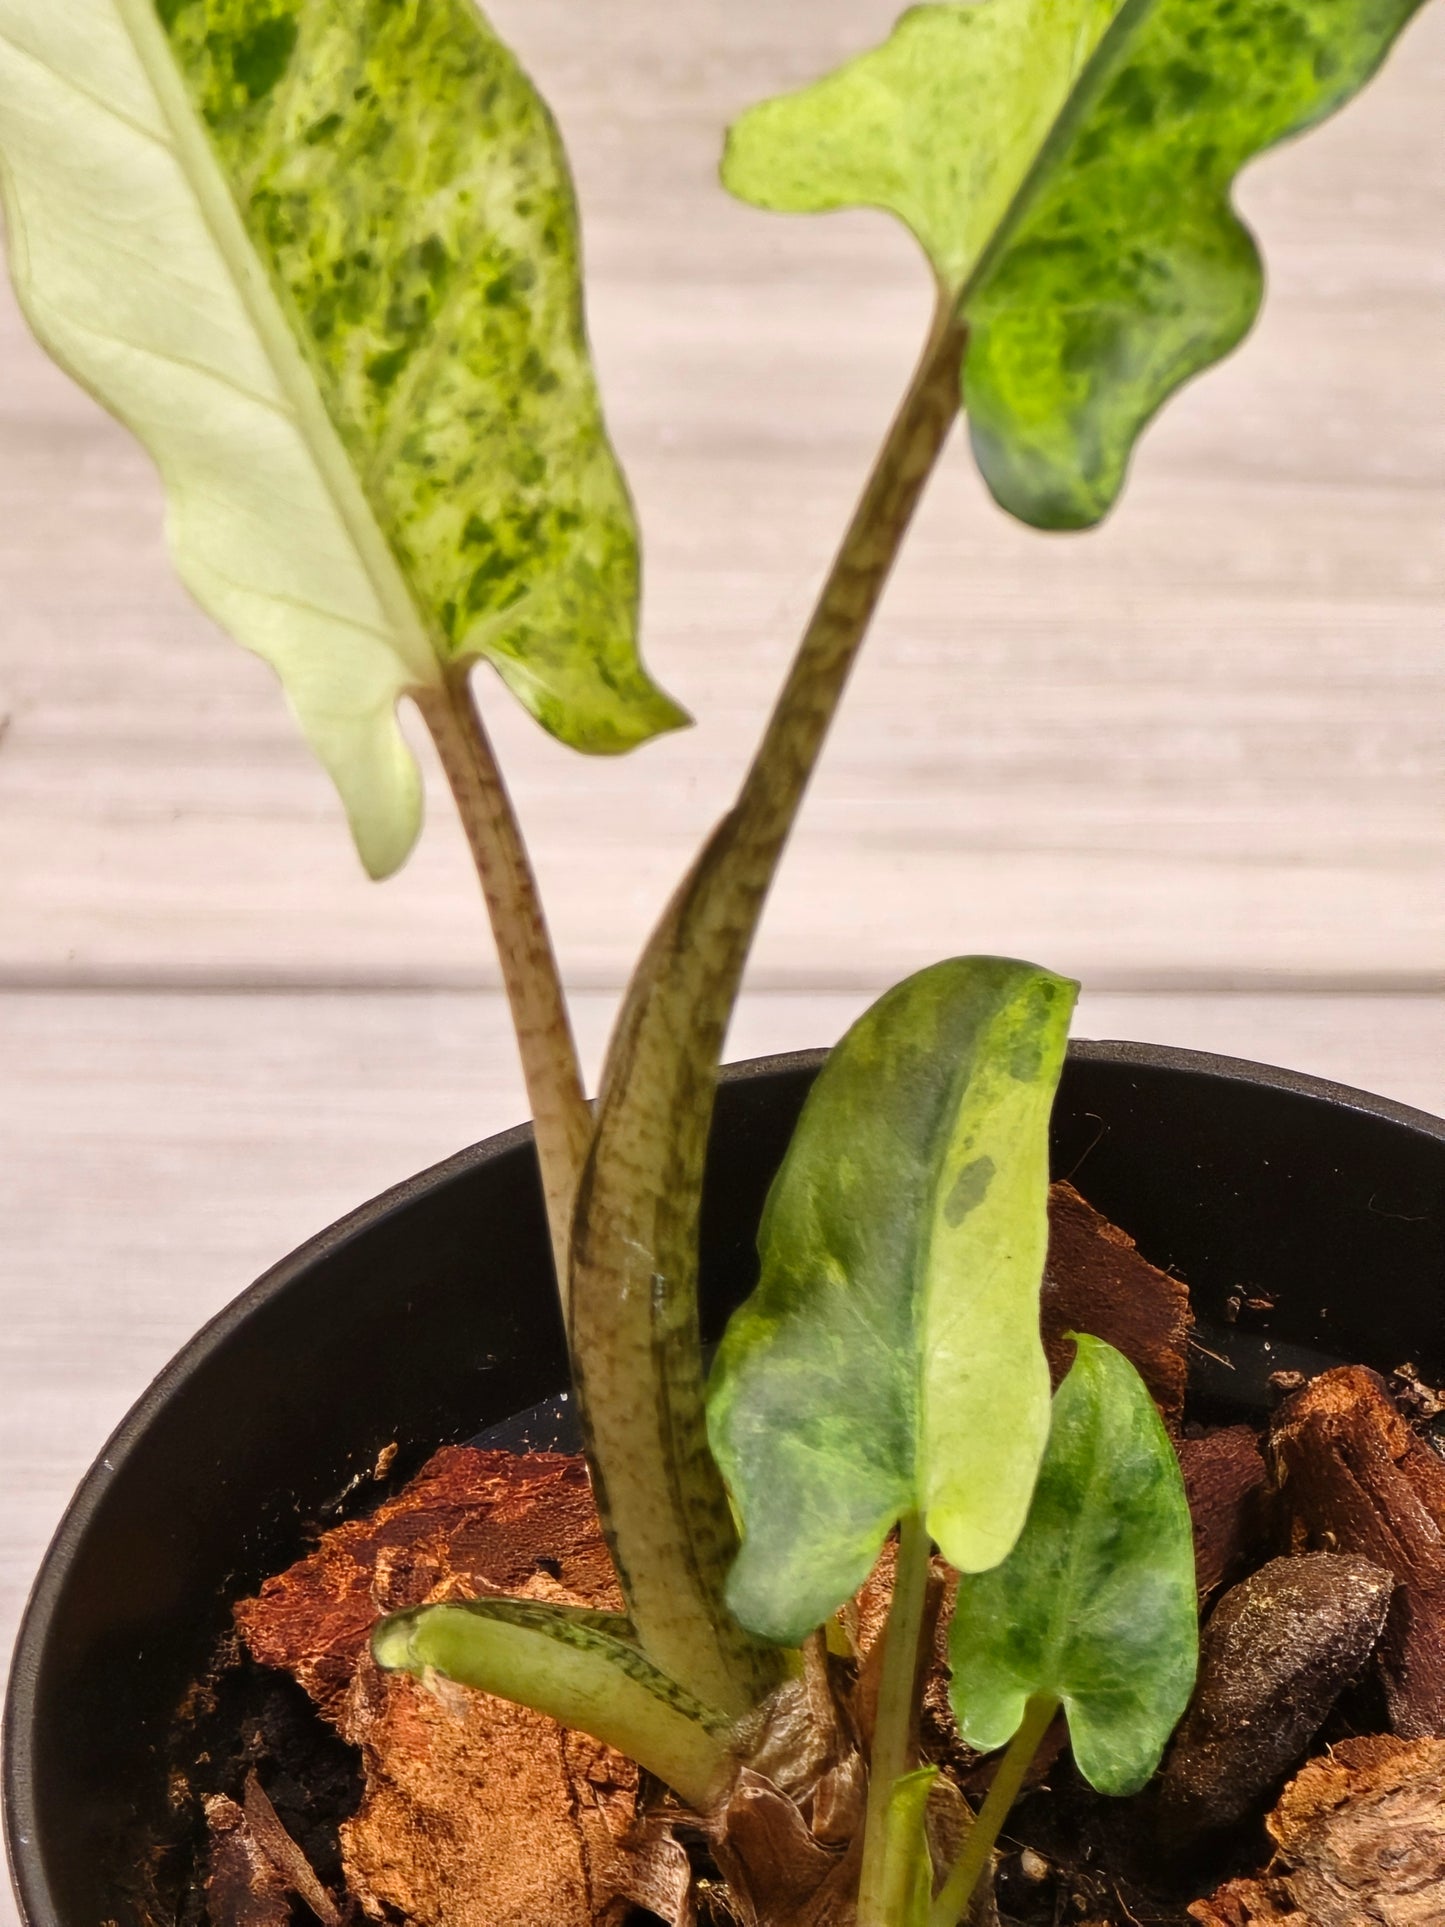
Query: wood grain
[1201,746]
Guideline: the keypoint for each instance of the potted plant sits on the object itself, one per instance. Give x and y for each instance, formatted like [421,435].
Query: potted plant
[337,256]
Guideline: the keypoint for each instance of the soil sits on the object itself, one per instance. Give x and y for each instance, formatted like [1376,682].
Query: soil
[309,1786]
[246,1719]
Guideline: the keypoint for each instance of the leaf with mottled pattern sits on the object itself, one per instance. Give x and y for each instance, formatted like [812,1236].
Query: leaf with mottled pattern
[938,126]
[890,1360]
[1095,1607]
[583,1668]
[321,255]
[1067,165]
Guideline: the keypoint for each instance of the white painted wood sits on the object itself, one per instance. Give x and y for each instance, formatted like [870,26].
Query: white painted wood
[1202,745]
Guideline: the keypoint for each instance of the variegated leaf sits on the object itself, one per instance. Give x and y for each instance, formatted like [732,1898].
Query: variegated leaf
[321,255]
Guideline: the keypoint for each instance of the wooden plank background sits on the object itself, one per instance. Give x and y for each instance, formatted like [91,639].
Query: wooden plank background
[1197,758]
[1201,746]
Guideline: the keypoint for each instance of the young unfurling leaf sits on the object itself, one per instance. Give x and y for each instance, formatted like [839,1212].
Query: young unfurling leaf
[907,1886]
[889,1361]
[583,1668]
[1067,165]
[1095,1607]
[322,259]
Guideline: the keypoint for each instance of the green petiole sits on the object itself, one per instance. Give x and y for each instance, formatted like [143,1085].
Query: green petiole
[896,1721]
[957,1891]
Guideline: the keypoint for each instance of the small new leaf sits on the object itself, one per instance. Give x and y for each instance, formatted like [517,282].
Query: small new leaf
[1095,1607]
[907,1864]
[1067,165]
[889,1360]
[582,1668]
[323,260]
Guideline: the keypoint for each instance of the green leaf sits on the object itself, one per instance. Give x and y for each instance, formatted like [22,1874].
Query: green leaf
[1095,1607]
[1068,166]
[907,1862]
[582,1668]
[939,125]
[322,259]
[1126,270]
[890,1360]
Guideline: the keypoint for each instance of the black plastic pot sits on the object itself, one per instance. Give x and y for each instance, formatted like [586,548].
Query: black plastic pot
[428,1315]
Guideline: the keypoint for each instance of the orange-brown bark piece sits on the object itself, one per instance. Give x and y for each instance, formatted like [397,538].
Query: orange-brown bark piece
[1247,1903]
[469,1522]
[1355,1478]
[1096,1281]
[1227,1481]
[1360,1842]
[477,1813]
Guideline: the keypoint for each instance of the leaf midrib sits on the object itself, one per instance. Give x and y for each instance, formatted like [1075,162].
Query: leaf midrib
[1058,1631]
[201,170]
[1079,100]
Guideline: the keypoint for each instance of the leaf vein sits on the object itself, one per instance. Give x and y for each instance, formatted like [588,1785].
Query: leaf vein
[270,403]
[98,101]
[303,605]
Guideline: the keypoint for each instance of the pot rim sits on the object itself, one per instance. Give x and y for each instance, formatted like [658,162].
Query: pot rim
[31,1886]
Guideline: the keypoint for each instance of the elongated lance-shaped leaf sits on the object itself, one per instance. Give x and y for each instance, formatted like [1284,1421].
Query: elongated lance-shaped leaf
[582,1668]
[1067,166]
[890,1359]
[321,256]
[1096,1606]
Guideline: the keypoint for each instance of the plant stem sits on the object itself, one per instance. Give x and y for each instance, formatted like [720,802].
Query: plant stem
[957,1890]
[907,1861]
[895,1725]
[710,923]
[634,1279]
[778,776]
[723,897]
[562,1121]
